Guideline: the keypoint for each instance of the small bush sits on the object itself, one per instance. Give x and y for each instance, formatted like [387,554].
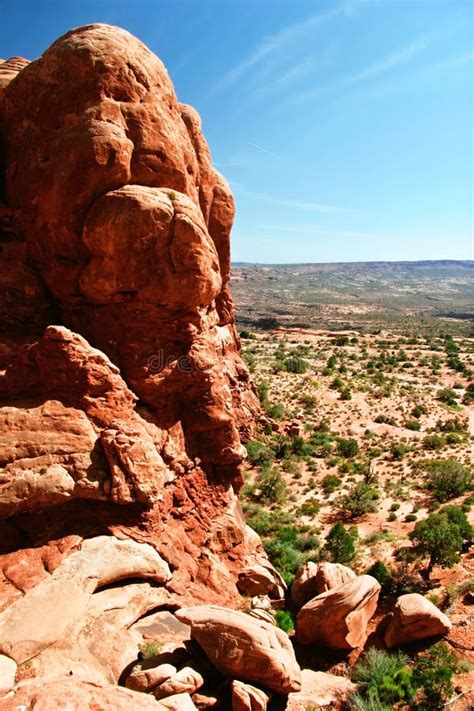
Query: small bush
[339,546]
[360,500]
[433,442]
[348,447]
[380,572]
[413,425]
[284,620]
[448,396]
[258,454]
[330,483]
[398,450]
[270,487]
[385,678]
[151,649]
[448,479]
[442,536]
[433,672]
[295,364]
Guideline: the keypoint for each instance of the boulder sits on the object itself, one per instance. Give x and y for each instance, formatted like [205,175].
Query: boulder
[178,702]
[338,618]
[315,578]
[145,679]
[261,580]
[7,673]
[248,698]
[75,695]
[185,681]
[243,647]
[320,690]
[63,597]
[414,618]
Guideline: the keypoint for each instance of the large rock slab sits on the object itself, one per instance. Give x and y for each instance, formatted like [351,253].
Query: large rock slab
[75,695]
[338,618]
[415,617]
[46,456]
[243,647]
[43,615]
[320,690]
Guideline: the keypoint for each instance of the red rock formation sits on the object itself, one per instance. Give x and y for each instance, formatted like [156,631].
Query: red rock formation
[124,396]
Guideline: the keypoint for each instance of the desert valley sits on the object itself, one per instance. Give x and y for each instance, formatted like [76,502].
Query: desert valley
[223,486]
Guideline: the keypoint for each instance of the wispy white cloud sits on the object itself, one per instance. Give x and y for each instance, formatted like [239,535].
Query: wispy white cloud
[263,150]
[395,59]
[279,40]
[306,206]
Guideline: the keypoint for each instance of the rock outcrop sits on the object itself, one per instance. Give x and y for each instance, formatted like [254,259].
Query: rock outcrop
[124,397]
[316,578]
[338,618]
[414,618]
[243,647]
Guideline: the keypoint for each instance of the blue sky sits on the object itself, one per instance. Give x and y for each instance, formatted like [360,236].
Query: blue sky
[344,127]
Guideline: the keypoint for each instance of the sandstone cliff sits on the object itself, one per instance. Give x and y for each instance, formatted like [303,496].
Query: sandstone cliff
[124,397]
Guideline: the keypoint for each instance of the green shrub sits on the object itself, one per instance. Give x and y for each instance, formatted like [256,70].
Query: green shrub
[284,620]
[270,487]
[330,483]
[151,649]
[433,672]
[348,447]
[360,500]
[346,394]
[418,411]
[265,523]
[384,678]
[448,396]
[432,442]
[413,425]
[448,479]
[286,558]
[310,507]
[339,546]
[295,364]
[380,572]
[258,454]
[442,536]
[398,450]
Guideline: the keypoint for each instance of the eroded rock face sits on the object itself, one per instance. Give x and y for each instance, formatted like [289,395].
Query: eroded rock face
[414,618]
[338,617]
[124,397]
[244,647]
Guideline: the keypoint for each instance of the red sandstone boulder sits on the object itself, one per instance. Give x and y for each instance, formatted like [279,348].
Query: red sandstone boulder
[242,647]
[248,698]
[320,690]
[315,578]
[78,695]
[338,618]
[414,617]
